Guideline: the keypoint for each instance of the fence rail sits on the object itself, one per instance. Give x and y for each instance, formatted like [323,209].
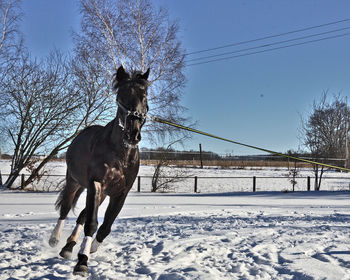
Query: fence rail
[205,184]
[303,183]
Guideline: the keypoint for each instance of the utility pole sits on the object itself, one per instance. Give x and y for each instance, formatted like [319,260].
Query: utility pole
[346,165]
[200,155]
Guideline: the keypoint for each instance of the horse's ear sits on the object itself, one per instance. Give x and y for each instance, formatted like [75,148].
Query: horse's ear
[145,75]
[121,74]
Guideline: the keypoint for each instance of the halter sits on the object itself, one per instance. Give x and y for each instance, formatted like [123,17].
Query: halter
[128,113]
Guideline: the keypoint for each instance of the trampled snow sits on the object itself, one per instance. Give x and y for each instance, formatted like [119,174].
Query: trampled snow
[226,235]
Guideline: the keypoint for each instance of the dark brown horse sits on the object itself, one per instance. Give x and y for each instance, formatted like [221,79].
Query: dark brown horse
[105,161]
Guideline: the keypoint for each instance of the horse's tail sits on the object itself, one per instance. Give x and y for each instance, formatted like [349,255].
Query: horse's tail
[59,200]
[63,193]
[76,197]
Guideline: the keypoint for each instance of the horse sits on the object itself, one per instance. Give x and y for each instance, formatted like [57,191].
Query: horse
[105,161]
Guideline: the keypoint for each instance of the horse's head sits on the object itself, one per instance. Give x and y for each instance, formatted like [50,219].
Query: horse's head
[132,103]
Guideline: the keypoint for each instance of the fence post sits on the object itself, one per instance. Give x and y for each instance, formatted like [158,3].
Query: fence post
[138,183]
[195,184]
[0,179]
[254,184]
[22,181]
[308,183]
[200,155]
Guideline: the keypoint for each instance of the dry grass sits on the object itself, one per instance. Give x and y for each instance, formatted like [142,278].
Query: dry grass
[237,164]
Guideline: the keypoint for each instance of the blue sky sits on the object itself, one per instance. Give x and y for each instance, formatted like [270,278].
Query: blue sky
[256,99]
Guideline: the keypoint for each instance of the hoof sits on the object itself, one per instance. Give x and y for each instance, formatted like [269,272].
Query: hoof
[81,270]
[66,251]
[53,241]
[94,246]
[65,254]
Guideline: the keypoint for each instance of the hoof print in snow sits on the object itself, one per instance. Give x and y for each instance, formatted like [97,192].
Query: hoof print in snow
[143,270]
[171,276]
[158,248]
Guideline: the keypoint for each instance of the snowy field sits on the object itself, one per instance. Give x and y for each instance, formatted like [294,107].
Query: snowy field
[175,236]
[210,180]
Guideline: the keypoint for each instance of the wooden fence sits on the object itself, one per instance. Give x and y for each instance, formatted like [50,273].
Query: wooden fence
[254,180]
[198,184]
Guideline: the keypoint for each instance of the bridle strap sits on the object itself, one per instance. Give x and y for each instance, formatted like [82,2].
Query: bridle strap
[121,106]
[128,113]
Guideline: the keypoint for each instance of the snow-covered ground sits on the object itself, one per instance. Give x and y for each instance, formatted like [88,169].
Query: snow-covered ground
[226,235]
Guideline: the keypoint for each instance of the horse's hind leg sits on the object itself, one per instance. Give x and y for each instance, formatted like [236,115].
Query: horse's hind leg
[56,233]
[72,240]
[64,204]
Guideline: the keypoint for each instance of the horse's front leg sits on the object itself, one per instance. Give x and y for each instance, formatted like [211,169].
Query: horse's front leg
[92,203]
[72,240]
[113,209]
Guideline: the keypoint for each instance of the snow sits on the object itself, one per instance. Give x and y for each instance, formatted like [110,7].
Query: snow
[209,179]
[166,236]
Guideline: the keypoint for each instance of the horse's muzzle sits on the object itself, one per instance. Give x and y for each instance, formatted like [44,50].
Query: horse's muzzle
[132,138]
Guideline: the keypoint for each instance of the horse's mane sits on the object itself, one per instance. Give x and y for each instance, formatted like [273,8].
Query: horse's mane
[135,78]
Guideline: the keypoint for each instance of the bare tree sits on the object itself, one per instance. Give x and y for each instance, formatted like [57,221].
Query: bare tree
[36,107]
[10,42]
[292,174]
[324,132]
[93,90]
[45,105]
[164,178]
[136,35]
[10,37]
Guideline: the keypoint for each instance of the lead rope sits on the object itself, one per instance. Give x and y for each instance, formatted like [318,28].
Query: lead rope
[159,120]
